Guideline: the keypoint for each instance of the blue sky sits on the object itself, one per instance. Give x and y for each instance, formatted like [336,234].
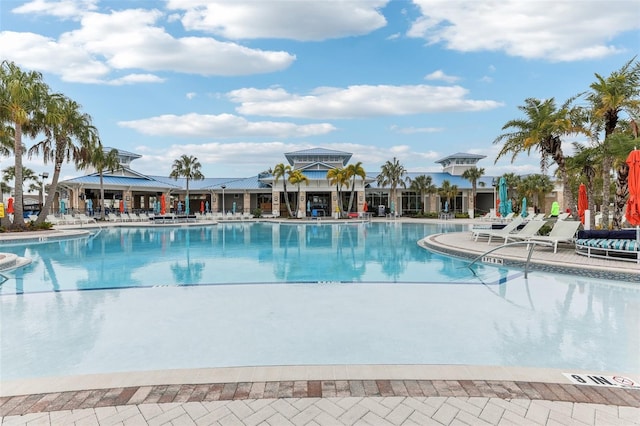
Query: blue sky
[238,83]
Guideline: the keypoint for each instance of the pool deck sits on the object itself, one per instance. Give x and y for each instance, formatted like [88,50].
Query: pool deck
[342,394]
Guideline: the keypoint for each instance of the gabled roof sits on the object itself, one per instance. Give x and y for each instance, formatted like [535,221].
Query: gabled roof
[122,152]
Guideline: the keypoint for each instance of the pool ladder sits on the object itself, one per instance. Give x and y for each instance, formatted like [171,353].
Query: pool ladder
[530,245]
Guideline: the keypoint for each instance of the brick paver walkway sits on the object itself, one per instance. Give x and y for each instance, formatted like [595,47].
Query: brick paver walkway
[332,402]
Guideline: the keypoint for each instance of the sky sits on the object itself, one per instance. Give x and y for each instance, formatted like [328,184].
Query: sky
[238,83]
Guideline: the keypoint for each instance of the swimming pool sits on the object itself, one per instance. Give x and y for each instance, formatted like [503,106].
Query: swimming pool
[336,294]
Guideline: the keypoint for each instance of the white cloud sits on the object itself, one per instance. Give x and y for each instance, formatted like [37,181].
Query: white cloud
[131,39]
[564,30]
[72,9]
[136,78]
[191,95]
[222,126]
[357,101]
[440,75]
[302,20]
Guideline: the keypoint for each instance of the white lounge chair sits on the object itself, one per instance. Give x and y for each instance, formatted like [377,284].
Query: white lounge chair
[509,227]
[83,218]
[54,220]
[563,231]
[530,230]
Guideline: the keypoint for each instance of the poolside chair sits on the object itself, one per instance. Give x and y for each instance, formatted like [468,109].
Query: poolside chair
[563,231]
[83,218]
[509,227]
[563,216]
[508,217]
[54,220]
[530,230]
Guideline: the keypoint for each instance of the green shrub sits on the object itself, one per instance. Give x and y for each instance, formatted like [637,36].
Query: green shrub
[257,212]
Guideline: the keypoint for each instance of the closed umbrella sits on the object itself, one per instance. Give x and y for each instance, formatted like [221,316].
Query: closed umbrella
[163,205]
[233,208]
[633,181]
[582,201]
[63,207]
[365,207]
[10,205]
[502,190]
[524,207]
[206,206]
[186,205]
[121,206]
[201,206]
[509,206]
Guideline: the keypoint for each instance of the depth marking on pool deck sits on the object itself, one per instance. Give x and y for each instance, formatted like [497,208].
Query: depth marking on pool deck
[617,381]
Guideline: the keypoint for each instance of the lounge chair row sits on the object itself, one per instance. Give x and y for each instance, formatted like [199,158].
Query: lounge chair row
[67,219]
[563,231]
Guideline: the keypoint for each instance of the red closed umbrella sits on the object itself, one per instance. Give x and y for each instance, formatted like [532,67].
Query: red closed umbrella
[583,204]
[201,206]
[10,205]
[163,205]
[121,206]
[633,181]
[365,207]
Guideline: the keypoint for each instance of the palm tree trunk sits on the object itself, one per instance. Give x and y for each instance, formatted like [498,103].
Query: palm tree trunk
[622,190]
[606,190]
[18,219]
[286,200]
[52,192]
[353,188]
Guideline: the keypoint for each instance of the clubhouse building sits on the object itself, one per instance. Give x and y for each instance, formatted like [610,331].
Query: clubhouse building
[262,191]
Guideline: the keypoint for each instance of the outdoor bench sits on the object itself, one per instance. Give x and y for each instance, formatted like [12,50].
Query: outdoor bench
[621,245]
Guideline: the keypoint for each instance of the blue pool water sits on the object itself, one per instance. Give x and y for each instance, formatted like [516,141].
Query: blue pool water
[335,294]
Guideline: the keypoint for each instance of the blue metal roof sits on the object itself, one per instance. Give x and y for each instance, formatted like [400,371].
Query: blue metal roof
[94,179]
[461,155]
[438,178]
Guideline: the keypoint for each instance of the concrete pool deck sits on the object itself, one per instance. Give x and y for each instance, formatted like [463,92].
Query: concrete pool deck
[340,394]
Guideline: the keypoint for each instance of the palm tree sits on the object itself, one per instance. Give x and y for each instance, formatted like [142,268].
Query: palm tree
[188,167]
[472,175]
[21,99]
[423,185]
[542,130]
[609,97]
[339,178]
[584,165]
[282,171]
[66,131]
[9,174]
[448,191]
[536,185]
[393,174]
[353,172]
[296,177]
[98,158]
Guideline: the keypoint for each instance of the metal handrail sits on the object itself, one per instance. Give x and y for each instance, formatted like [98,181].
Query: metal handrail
[530,246]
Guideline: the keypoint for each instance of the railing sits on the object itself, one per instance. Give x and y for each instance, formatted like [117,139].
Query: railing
[530,246]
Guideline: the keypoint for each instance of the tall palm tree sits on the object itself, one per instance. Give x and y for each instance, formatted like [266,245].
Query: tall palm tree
[393,174]
[282,171]
[339,178]
[188,167]
[22,95]
[96,157]
[542,130]
[423,185]
[354,171]
[296,177]
[472,175]
[66,131]
[609,97]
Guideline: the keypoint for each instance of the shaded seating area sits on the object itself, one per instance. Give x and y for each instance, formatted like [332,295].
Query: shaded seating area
[619,245]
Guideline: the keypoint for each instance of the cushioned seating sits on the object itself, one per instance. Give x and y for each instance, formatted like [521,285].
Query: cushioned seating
[621,245]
